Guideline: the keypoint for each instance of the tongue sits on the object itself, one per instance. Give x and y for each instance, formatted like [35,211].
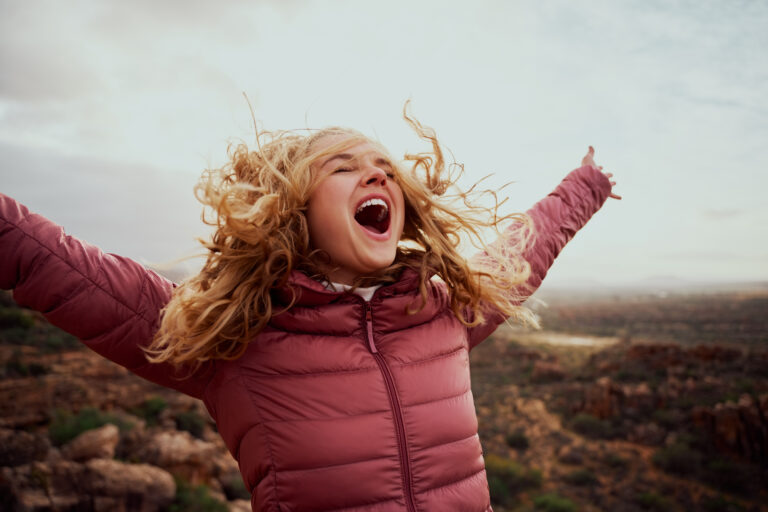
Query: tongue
[372,229]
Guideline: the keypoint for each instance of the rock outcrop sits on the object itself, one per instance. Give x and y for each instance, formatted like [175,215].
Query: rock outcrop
[181,454]
[100,485]
[606,399]
[18,447]
[547,371]
[739,429]
[98,443]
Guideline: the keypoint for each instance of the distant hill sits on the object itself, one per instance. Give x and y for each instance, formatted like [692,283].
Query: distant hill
[657,285]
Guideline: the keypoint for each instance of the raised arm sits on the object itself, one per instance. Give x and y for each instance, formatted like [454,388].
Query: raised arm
[109,302]
[556,219]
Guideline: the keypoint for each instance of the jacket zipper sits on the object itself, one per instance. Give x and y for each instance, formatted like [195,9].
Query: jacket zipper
[405,464]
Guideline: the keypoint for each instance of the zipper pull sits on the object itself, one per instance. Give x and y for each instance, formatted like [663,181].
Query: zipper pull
[369,327]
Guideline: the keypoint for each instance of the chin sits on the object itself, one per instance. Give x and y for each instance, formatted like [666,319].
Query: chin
[377,266]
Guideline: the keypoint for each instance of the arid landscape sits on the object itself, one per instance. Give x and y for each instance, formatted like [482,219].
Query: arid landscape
[628,401]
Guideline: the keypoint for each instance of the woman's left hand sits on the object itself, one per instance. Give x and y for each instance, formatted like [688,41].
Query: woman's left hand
[590,160]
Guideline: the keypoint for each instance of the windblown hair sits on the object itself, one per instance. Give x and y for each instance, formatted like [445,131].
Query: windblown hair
[258,201]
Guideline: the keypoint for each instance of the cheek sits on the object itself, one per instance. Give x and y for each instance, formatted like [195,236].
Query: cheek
[324,222]
[317,206]
[400,201]
[315,220]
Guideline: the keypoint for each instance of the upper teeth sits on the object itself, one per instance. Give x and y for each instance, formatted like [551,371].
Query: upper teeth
[372,202]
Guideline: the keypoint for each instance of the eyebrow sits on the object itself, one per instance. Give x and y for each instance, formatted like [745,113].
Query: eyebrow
[347,157]
[340,156]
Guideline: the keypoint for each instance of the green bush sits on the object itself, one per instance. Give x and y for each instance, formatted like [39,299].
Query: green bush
[15,317]
[190,421]
[727,475]
[581,477]
[552,502]
[500,493]
[678,458]
[59,340]
[234,487]
[506,478]
[43,336]
[67,426]
[16,367]
[744,385]
[517,440]
[631,375]
[150,409]
[653,501]
[15,336]
[590,426]
[668,418]
[615,461]
[194,498]
[719,504]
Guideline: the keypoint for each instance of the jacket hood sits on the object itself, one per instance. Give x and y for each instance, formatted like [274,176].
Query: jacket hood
[389,306]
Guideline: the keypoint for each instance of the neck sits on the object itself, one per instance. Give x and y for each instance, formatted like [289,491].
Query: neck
[340,276]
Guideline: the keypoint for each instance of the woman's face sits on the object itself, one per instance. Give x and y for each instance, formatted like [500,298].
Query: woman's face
[356,212]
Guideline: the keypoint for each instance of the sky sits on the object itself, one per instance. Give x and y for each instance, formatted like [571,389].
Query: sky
[109,112]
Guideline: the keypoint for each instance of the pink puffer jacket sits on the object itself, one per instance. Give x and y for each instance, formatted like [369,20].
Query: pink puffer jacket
[338,404]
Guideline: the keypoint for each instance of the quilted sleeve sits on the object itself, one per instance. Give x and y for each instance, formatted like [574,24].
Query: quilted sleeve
[556,219]
[111,303]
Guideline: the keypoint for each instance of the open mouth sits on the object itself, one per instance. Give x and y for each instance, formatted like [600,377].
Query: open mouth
[373,215]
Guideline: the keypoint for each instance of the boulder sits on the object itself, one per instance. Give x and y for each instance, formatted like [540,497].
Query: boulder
[607,399]
[715,353]
[98,443]
[239,506]
[140,486]
[602,399]
[181,454]
[547,371]
[649,434]
[19,447]
[637,400]
[44,486]
[739,429]
[573,455]
[99,485]
[657,355]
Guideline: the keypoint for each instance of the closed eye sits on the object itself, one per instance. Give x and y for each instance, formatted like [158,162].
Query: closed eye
[342,169]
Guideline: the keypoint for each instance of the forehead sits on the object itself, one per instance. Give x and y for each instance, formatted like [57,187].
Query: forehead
[349,145]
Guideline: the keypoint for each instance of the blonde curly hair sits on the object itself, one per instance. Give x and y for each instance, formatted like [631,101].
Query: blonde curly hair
[258,201]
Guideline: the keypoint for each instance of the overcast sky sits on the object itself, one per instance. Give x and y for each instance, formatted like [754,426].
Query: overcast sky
[109,111]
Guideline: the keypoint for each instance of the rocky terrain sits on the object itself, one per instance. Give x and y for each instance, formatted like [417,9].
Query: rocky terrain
[582,419]
[79,433]
[578,420]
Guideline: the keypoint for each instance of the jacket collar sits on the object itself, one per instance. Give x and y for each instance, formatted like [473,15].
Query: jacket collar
[317,310]
[309,292]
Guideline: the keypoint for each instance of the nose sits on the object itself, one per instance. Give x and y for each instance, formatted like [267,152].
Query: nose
[374,176]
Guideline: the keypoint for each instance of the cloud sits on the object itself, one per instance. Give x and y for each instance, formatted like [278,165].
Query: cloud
[136,211]
[670,93]
[42,61]
[723,213]
[699,256]
[54,52]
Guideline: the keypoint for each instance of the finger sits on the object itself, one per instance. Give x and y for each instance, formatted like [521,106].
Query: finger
[591,151]
[608,174]
[615,196]
[613,183]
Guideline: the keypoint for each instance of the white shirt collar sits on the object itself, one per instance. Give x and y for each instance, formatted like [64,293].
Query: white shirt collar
[365,293]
